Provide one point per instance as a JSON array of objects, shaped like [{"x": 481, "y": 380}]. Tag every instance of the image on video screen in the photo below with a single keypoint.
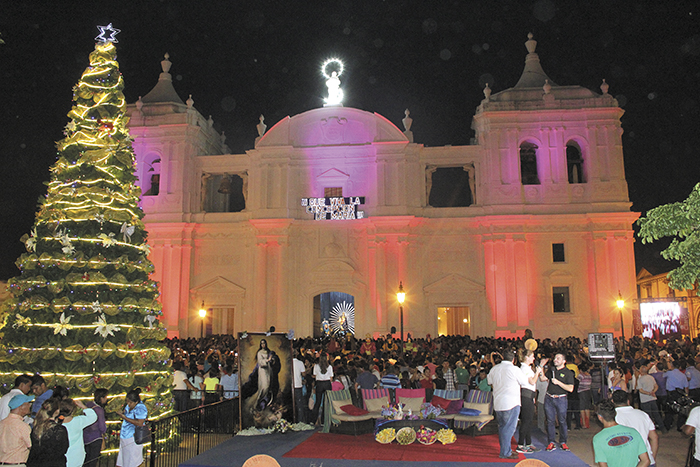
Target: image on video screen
[{"x": 660, "y": 319}]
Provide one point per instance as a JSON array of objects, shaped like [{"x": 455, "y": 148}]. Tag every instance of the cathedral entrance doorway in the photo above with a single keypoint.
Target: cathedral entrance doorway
[
  {"x": 218, "y": 320},
  {"x": 453, "y": 320},
  {"x": 334, "y": 313}
]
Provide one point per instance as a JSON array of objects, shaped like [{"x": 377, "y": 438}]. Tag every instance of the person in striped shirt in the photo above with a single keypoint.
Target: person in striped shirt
[{"x": 391, "y": 379}]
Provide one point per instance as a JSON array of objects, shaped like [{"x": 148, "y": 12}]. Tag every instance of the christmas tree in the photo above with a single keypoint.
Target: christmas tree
[{"x": 83, "y": 312}]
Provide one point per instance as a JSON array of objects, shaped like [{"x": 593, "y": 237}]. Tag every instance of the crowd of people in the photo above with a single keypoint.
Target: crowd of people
[
  {"x": 553, "y": 383},
  {"x": 42, "y": 427},
  {"x": 561, "y": 386}
]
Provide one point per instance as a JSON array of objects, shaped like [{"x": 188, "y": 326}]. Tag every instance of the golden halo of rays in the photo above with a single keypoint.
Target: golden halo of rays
[{"x": 343, "y": 312}]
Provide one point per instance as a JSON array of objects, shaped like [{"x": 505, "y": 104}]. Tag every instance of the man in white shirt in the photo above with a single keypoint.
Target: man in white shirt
[
  {"x": 637, "y": 419},
  {"x": 298, "y": 372},
  {"x": 506, "y": 379},
  {"x": 23, "y": 384},
  {"x": 229, "y": 382},
  {"x": 647, "y": 386},
  {"x": 180, "y": 393},
  {"x": 692, "y": 426}
]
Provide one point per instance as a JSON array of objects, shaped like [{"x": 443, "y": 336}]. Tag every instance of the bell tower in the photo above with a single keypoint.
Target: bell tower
[{"x": 553, "y": 170}]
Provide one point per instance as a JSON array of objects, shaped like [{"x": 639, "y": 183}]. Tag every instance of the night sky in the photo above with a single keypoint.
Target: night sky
[{"x": 239, "y": 59}]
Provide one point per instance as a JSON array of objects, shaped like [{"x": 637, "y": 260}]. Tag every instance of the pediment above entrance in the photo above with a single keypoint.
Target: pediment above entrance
[
  {"x": 334, "y": 267},
  {"x": 453, "y": 283},
  {"x": 557, "y": 274},
  {"x": 333, "y": 176},
  {"x": 331, "y": 126},
  {"x": 218, "y": 286}
]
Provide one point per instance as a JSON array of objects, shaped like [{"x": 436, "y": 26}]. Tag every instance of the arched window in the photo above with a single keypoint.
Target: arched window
[
  {"x": 528, "y": 164},
  {"x": 574, "y": 162}
]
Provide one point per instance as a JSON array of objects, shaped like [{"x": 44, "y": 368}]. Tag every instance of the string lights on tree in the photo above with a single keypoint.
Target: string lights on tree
[{"x": 83, "y": 312}]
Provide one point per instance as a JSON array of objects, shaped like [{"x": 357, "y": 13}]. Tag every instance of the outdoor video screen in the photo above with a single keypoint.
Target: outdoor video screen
[{"x": 660, "y": 319}]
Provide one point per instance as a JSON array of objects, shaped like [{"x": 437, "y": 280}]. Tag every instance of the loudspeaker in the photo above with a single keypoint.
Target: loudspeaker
[{"x": 601, "y": 346}]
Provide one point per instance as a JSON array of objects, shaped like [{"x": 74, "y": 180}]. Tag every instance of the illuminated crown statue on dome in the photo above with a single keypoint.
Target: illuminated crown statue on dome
[{"x": 335, "y": 94}]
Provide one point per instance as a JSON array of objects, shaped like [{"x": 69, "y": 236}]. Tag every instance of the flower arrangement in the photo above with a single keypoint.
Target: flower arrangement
[
  {"x": 393, "y": 412},
  {"x": 281, "y": 426},
  {"x": 430, "y": 411}
]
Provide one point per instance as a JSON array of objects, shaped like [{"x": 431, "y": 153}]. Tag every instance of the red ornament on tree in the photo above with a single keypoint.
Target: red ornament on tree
[{"x": 105, "y": 126}]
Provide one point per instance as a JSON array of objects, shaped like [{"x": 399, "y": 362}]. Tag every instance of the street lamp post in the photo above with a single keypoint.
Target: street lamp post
[
  {"x": 401, "y": 296},
  {"x": 621, "y": 305},
  {"x": 202, "y": 314}
]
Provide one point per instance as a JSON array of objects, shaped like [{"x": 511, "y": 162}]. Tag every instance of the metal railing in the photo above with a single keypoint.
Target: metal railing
[{"x": 180, "y": 437}]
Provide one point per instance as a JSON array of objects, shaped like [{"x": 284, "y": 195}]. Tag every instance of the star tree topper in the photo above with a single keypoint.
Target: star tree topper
[{"x": 104, "y": 30}]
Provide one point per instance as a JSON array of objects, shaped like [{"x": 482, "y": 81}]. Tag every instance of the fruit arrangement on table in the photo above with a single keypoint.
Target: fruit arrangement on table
[
  {"x": 386, "y": 436},
  {"x": 408, "y": 435},
  {"x": 446, "y": 436},
  {"x": 426, "y": 436}
]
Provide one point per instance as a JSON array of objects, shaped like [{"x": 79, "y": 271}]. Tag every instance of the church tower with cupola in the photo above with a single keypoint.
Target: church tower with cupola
[
  {"x": 169, "y": 136},
  {"x": 553, "y": 173}
]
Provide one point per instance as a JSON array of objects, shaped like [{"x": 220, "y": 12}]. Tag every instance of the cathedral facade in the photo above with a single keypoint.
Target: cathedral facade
[{"x": 527, "y": 227}]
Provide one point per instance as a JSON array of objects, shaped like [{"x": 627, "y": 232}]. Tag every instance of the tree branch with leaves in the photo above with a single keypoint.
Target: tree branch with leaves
[{"x": 682, "y": 221}]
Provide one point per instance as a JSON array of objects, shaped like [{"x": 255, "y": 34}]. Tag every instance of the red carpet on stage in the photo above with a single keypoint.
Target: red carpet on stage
[{"x": 364, "y": 447}]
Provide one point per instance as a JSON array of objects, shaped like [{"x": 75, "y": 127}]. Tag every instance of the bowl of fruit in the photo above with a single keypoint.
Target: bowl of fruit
[
  {"x": 426, "y": 436},
  {"x": 386, "y": 436},
  {"x": 406, "y": 435}
]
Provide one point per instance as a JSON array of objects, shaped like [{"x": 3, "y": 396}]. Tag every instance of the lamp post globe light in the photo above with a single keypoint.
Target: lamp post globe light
[
  {"x": 203, "y": 315},
  {"x": 621, "y": 305},
  {"x": 401, "y": 296}
]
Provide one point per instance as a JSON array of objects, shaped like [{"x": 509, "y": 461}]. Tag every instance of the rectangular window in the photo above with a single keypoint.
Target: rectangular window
[
  {"x": 223, "y": 193},
  {"x": 155, "y": 186},
  {"x": 558, "y": 253},
  {"x": 451, "y": 187},
  {"x": 333, "y": 192},
  {"x": 560, "y": 299}
]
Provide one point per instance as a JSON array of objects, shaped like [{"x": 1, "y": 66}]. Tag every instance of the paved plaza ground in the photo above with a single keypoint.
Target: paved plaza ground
[{"x": 673, "y": 446}]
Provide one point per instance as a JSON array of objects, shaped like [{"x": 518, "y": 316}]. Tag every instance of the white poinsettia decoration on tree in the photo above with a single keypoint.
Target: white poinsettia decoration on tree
[
  {"x": 31, "y": 241},
  {"x": 107, "y": 240},
  {"x": 63, "y": 325},
  {"x": 21, "y": 321},
  {"x": 67, "y": 245},
  {"x": 104, "y": 329}
]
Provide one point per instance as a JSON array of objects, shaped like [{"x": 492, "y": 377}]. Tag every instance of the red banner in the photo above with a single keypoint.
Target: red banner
[
  {"x": 636, "y": 322},
  {"x": 685, "y": 321}
]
